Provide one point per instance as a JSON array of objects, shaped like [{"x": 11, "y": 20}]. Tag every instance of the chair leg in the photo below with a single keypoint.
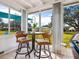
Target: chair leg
[
  {"x": 36, "y": 46},
  {"x": 27, "y": 49},
  {"x": 49, "y": 52},
  {"x": 19, "y": 47},
  {"x": 34, "y": 53},
  {"x": 40, "y": 52},
  {"x": 44, "y": 47},
  {"x": 16, "y": 56},
  {"x": 44, "y": 50}
]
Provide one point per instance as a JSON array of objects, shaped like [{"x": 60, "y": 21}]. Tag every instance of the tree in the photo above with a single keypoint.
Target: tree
[
  {"x": 71, "y": 16},
  {"x": 76, "y": 18},
  {"x": 1, "y": 24}
]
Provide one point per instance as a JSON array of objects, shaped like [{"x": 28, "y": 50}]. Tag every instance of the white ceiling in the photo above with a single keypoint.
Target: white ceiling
[
  {"x": 24, "y": 4},
  {"x": 30, "y": 5}
]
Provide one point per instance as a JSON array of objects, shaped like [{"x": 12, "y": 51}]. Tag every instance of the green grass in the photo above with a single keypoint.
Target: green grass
[{"x": 68, "y": 36}]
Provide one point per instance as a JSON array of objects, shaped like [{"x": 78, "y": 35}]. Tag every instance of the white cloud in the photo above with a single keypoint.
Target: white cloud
[{"x": 45, "y": 20}]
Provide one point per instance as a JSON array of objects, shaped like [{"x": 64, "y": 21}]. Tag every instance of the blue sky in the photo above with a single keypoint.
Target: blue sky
[{"x": 47, "y": 13}]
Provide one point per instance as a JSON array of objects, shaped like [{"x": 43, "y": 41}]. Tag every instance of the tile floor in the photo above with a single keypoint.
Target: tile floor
[{"x": 66, "y": 55}]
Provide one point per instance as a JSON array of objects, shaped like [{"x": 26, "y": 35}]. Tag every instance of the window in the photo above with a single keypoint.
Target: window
[
  {"x": 46, "y": 17},
  {"x": 3, "y": 19},
  {"x": 15, "y": 21},
  {"x": 3, "y": 24},
  {"x": 34, "y": 19}
]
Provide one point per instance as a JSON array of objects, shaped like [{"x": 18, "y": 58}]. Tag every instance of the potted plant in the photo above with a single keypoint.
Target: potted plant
[{"x": 34, "y": 27}]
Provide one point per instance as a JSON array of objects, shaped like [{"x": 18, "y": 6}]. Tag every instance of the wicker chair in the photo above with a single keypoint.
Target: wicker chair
[
  {"x": 21, "y": 38},
  {"x": 43, "y": 42}
]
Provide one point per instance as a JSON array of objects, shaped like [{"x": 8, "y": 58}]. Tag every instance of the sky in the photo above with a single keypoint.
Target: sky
[{"x": 45, "y": 15}]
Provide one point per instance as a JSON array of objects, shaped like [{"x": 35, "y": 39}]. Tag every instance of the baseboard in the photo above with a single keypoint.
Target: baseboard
[{"x": 8, "y": 51}]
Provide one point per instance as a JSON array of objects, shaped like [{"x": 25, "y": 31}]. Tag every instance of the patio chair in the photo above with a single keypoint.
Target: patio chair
[
  {"x": 21, "y": 39},
  {"x": 43, "y": 42}
]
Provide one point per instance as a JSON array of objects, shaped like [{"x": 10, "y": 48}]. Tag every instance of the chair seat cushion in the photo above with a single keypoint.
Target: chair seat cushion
[
  {"x": 42, "y": 42},
  {"x": 23, "y": 40}
]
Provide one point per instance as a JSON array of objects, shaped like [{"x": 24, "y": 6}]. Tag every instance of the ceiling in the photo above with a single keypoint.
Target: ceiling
[{"x": 30, "y": 5}]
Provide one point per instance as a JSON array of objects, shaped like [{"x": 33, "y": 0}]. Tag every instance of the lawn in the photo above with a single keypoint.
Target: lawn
[
  {"x": 67, "y": 36},
  {"x": 5, "y": 32}
]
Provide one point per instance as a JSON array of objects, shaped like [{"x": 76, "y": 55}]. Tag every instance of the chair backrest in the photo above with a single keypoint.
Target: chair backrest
[
  {"x": 47, "y": 36},
  {"x": 45, "y": 29},
  {"x": 20, "y": 34}
]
